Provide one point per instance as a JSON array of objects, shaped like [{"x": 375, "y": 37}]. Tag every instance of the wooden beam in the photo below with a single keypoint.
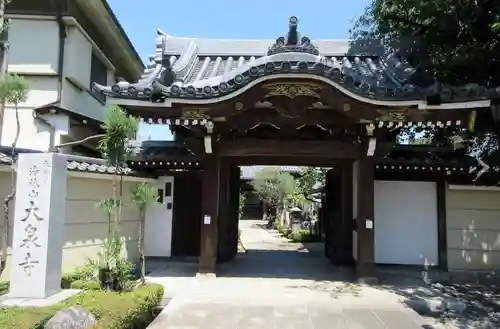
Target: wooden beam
[
  {"x": 251, "y": 117},
  {"x": 290, "y": 148}
]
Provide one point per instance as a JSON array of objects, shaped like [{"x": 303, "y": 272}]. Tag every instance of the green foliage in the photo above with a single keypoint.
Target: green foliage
[
  {"x": 110, "y": 257},
  {"x": 143, "y": 194},
  {"x": 273, "y": 185},
  {"x": 93, "y": 284},
  {"x": 301, "y": 235},
  {"x": 462, "y": 39},
  {"x": 82, "y": 273},
  {"x": 126, "y": 310},
  {"x": 14, "y": 89},
  {"x": 119, "y": 128},
  {"x": 86, "y": 285},
  {"x": 109, "y": 206},
  {"x": 241, "y": 203},
  {"x": 4, "y": 288}
]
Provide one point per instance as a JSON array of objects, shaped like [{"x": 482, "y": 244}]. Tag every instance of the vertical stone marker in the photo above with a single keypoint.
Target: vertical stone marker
[{"x": 40, "y": 212}]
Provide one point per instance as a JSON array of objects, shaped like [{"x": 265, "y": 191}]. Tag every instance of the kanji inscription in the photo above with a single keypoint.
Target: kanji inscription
[
  {"x": 30, "y": 219},
  {"x": 28, "y": 264}
]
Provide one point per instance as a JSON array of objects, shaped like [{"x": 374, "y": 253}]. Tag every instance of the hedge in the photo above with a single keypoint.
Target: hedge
[
  {"x": 128, "y": 310},
  {"x": 79, "y": 274}
]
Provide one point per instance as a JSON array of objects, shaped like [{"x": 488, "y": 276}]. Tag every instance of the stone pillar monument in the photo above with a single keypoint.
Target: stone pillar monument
[{"x": 40, "y": 212}]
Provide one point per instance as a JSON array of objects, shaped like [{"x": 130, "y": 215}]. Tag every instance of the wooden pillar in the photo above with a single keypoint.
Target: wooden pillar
[
  {"x": 228, "y": 213},
  {"x": 331, "y": 213},
  {"x": 364, "y": 172},
  {"x": 210, "y": 214},
  {"x": 345, "y": 250}
]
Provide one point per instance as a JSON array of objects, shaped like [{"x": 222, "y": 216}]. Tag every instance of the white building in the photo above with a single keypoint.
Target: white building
[{"x": 60, "y": 48}]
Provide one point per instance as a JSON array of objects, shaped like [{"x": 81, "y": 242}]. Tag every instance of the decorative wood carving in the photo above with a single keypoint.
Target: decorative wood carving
[
  {"x": 195, "y": 113},
  {"x": 246, "y": 147},
  {"x": 292, "y": 90},
  {"x": 391, "y": 116}
]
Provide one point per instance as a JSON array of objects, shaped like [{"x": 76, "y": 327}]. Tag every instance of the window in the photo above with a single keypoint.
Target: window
[
  {"x": 99, "y": 74},
  {"x": 168, "y": 189}
]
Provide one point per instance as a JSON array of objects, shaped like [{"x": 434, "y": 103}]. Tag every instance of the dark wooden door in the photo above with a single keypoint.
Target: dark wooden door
[{"x": 186, "y": 226}]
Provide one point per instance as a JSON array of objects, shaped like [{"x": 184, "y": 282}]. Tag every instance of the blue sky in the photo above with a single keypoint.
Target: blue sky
[{"x": 256, "y": 19}]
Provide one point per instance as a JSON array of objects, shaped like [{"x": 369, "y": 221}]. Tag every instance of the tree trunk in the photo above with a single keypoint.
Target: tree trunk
[
  {"x": 141, "y": 245},
  {"x": 3, "y": 72},
  {"x": 115, "y": 199},
  {"x": 8, "y": 198},
  {"x": 4, "y": 56},
  {"x": 120, "y": 196}
]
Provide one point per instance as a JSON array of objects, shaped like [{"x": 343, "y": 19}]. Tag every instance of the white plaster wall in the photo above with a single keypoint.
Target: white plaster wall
[
  {"x": 33, "y": 133},
  {"x": 77, "y": 68},
  {"x": 33, "y": 54},
  {"x": 42, "y": 90},
  {"x": 473, "y": 229},
  {"x": 86, "y": 226},
  {"x": 33, "y": 46},
  {"x": 406, "y": 226}
]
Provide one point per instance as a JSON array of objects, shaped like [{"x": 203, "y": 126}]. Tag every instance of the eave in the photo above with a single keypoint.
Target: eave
[{"x": 104, "y": 18}]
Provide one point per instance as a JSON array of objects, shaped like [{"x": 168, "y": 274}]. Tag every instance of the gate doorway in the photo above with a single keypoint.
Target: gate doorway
[{"x": 333, "y": 219}]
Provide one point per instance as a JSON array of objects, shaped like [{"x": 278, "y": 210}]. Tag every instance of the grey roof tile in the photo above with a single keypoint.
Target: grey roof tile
[
  {"x": 6, "y": 159},
  {"x": 209, "y": 68}
]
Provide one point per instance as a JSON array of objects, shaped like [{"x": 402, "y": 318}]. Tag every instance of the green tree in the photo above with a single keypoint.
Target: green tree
[
  {"x": 458, "y": 40},
  {"x": 448, "y": 41},
  {"x": 14, "y": 90},
  {"x": 109, "y": 207},
  {"x": 273, "y": 186},
  {"x": 119, "y": 129},
  {"x": 143, "y": 195},
  {"x": 309, "y": 177}
]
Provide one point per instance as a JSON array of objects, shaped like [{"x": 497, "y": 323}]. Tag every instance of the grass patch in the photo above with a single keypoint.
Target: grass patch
[{"x": 113, "y": 310}]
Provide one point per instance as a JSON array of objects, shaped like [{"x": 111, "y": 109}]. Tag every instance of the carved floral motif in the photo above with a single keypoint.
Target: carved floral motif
[
  {"x": 195, "y": 114},
  {"x": 396, "y": 116},
  {"x": 292, "y": 90}
]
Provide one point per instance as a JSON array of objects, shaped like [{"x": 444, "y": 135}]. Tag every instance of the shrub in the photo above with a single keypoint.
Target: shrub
[
  {"x": 86, "y": 285},
  {"x": 82, "y": 273},
  {"x": 302, "y": 235},
  {"x": 128, "y": 310},
  {"x": 4, "y": 288},
  {"x": 95, "y": 285}
]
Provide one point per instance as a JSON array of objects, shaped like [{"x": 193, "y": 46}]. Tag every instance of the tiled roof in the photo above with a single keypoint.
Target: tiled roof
[
  {"x": 6, "y": 159},
  {"x": 209, "y": 68},
  {"x": 249, "y": 172}
]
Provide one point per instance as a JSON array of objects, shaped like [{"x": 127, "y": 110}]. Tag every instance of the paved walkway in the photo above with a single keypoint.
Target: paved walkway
[{"x": 276, "y": 284}]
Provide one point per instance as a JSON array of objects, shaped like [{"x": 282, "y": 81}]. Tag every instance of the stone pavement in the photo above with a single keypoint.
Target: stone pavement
[{"x": 277, "y": 284}]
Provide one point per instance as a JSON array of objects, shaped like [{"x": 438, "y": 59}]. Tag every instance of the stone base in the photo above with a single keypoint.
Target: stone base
[
  {"x": 205, "y": 275},
  {"x": 38, "y": 302},
  {"x": 368, "y": 280}
]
